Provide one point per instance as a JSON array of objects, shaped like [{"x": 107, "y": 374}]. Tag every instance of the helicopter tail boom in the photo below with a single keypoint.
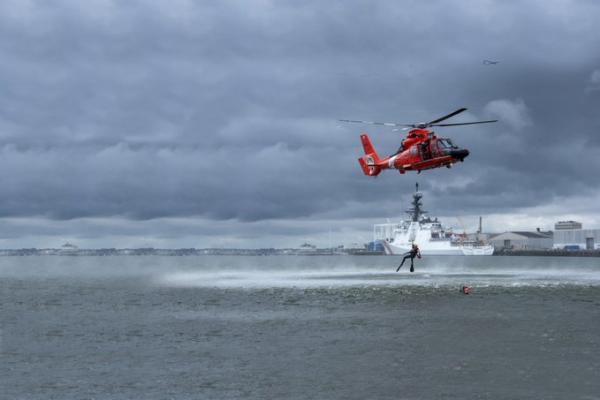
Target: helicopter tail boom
[{"x": 370, "y": 161}]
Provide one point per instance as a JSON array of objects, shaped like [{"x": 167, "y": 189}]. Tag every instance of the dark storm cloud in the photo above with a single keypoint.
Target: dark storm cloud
[{"x": 227, "y": 110}]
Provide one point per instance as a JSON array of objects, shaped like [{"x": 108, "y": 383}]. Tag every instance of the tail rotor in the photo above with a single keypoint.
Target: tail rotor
[{"x": 370, "y": 161}]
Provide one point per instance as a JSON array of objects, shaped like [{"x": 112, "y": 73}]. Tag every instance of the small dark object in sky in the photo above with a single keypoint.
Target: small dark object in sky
[{"x": 490, "y": 62}]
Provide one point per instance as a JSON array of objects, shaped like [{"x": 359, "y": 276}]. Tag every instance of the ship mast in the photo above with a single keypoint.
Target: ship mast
[{"x": 416, "y": 211}]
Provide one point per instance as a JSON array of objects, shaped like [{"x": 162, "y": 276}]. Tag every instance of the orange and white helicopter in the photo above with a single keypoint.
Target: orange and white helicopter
[{"x": 420, "y": 150}]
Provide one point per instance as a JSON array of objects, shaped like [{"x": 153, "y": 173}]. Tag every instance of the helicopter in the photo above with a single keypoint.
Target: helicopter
[{"x": 420, "y": 150}]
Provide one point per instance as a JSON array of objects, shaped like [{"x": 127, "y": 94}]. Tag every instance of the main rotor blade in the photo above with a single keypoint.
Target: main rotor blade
[
  {"x": 452, "y": 114},
  {"x": 466, "y": 123},
  {"x": 375, "y": 123}
]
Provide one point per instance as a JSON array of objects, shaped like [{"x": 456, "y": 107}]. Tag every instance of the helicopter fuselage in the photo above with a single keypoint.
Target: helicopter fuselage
[{"x": 421, "y": 150}]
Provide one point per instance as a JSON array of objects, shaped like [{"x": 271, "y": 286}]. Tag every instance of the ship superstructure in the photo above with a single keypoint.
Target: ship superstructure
[{"x": 429, "y": 234}]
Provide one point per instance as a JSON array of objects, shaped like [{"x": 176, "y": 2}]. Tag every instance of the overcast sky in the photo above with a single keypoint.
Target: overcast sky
[{"x": 214, "y": 124}]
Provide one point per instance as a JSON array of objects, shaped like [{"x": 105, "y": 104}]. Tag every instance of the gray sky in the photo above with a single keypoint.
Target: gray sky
[{"x": 195, "y": 123}]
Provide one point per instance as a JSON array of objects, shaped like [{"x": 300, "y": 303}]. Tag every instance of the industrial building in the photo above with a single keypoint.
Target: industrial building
[
  {"x": 520, "y": 240},
  {"x": 569, "y": 235},
  {"x": 560, "y": 225}
]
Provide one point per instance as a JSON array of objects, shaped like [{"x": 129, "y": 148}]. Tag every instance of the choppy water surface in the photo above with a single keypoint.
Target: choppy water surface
[{"x": 299, "y": 328}]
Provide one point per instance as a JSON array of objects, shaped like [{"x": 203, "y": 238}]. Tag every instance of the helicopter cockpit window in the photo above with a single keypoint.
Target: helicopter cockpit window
[{"x": 446, "y": 144}]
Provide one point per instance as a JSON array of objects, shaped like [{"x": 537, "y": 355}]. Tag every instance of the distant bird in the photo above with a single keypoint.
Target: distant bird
[{"x": 490, "y": 62}]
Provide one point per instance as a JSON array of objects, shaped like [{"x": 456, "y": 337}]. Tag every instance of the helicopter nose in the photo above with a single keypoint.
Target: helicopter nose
[{"x": 459, "y": 154}]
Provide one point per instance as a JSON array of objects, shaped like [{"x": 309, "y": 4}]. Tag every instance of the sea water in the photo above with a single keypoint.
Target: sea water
[{"x": 337, "y": 327}]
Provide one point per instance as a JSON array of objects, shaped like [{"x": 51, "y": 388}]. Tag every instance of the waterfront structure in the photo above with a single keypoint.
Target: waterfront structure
[
  {"x": 69, "y": 249},
  {"x": 522, "y": 240},
  {"x": 575, "y": 238},
  {"x": 562, "y": 225}
]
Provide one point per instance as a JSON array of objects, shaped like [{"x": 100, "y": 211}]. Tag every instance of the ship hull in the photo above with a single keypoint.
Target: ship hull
[
  {"x": 392, "y": 249},
  {"x": 487, "y": 250}
]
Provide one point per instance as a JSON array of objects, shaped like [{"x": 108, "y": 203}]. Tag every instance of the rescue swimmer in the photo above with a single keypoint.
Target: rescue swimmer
[{"x": 414, "y": 252}]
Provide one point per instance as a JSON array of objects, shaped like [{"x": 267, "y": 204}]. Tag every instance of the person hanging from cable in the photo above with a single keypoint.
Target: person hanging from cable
[{"x": 414, "y": 252}]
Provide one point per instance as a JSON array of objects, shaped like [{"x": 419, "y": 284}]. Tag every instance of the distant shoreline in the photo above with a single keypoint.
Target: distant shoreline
[
  {"x": 549, "y": 253},
  {"x": 257, "y": 252}
]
